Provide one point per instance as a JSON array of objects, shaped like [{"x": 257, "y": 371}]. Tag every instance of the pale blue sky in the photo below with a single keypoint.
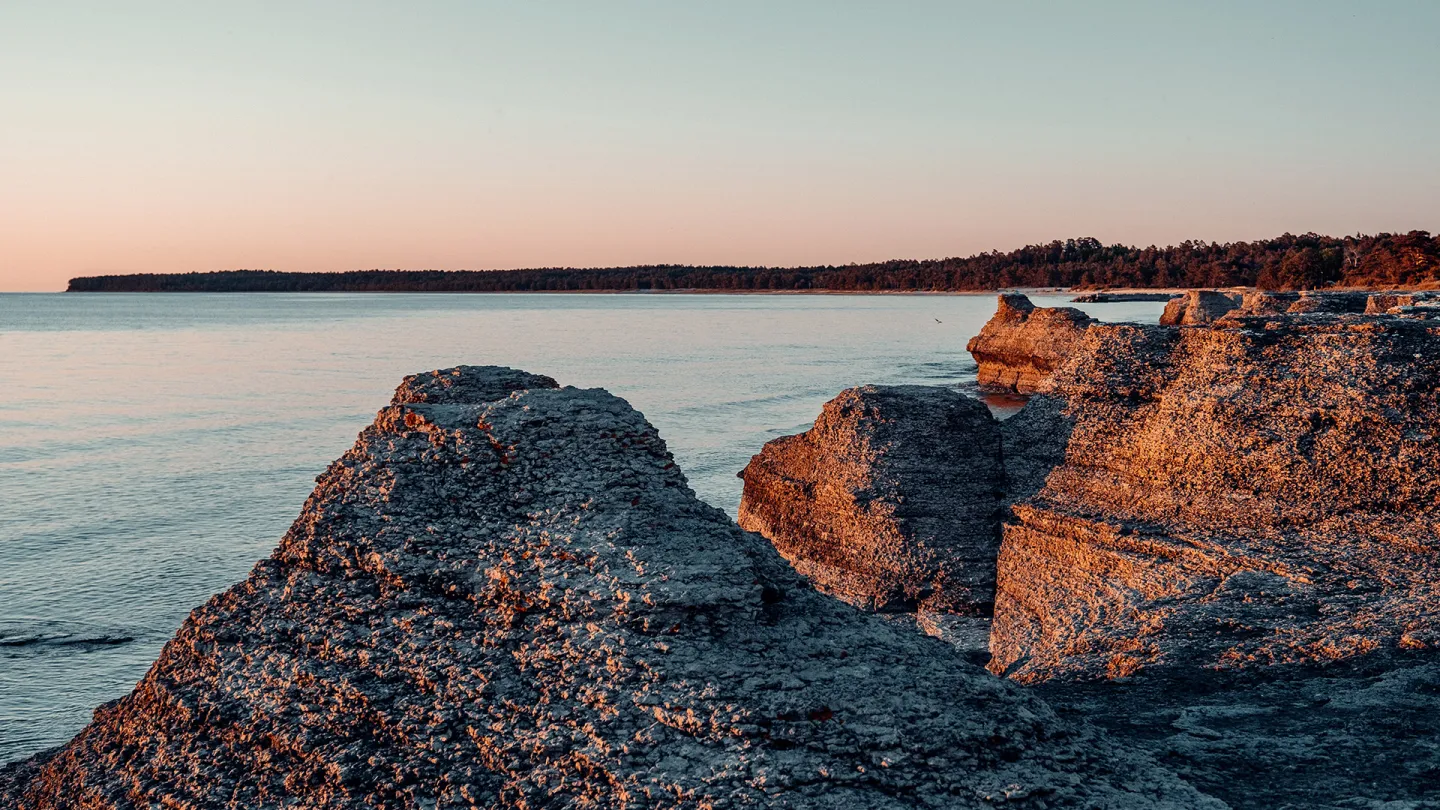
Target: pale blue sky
[{"x": 146, "y": 136}]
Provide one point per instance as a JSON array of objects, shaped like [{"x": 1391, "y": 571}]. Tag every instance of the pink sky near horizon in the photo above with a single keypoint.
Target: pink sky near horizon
[{"x": 327, "y": 137}]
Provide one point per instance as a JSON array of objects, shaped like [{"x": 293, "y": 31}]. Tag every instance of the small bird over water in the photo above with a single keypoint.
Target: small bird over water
[{"x": 937, "y": 320}]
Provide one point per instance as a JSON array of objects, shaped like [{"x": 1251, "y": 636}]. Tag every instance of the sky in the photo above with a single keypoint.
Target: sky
[{"x": 320, "y": 136}]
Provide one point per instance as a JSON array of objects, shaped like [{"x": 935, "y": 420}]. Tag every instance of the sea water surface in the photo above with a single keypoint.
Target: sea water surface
[{"x": 153, "y": 447}]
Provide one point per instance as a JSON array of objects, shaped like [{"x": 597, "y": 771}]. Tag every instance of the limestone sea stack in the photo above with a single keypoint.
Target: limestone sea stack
[
  {"x": 1259, "y": 492},
  {"x": 506, "y": 595},
  {"x": 890, "y": 502},
  {"x": 1199, "y": 307},
  {"x": 1023, "y": 344}
]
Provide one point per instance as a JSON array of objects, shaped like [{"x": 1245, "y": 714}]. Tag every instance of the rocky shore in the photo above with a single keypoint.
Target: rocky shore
[
  {"x": 1220, "y": 536},
  {"x": 1200, "y": 565},
  {"x": 1120, "y": 297},
  {"x": 505, "y": 595}
]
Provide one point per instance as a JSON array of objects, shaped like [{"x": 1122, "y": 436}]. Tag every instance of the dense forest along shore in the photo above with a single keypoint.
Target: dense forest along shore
[{"x": 1287, "y": 262}]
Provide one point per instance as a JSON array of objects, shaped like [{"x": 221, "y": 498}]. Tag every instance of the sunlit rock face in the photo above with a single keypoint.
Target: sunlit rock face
[
  {"x": 1204, "y": 307},
  {"x": 890, "y": 502},
  {"x": 506, "y": 595},
  {"x": 1022, "y": 344},
  {"x": 1264, "y": 491},
  {"x": 1397, "y": 303},
  {"x": 1199, "y": 307}
]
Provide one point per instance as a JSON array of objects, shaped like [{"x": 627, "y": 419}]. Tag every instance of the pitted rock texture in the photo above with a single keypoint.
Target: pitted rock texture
[
  {"x": 1263, "y": 491},
  {"x": 1357, "y": 735},
  {"x": 890, "y": 502},
  {"x": 506, "y": 595},
  {"x": 1023, "y": 344}
]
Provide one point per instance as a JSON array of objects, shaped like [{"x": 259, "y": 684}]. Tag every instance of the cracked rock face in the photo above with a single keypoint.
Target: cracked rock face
[
  {"x": 1264, "y": 491},
  {"x": 891, "y": 503},
  {"x": 505, "y": 595},
  {"x": 1022, "y": 344}
]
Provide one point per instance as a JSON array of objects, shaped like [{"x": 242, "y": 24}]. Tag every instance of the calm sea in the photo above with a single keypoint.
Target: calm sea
[{"x": 153, "y": 447}]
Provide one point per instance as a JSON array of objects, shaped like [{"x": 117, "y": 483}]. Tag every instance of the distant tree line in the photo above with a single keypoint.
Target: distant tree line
[{"x": 1288, "y": 262}]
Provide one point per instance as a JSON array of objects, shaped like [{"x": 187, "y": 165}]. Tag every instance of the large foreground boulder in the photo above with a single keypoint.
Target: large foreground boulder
[
  {"x": 1265, "y": 491},
  {"x": 505, "y": 595},
  {"x": 1022, "y": 344},
  {"x": 890, "y": 502}
]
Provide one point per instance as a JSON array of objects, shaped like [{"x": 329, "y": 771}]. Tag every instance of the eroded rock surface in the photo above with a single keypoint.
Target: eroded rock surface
[
  {"x": 1233, "y": 528},
  {"x": 1358, "y": 735},
  {"x": 1199, "y": 307},
  {"x": 1023, "y": 344},
  {"x": 890, "y": 502},
  {"x": 1265, "y": 491},
  {"x": 505, "y": 595}
]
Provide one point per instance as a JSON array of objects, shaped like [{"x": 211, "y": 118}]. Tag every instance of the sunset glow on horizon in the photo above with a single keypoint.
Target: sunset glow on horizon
[{"x": 170, "y": 137}]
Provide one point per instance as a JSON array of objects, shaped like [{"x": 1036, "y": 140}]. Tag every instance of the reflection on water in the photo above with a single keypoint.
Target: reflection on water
[
  {"x": 152, "y": 448},
  {"x": 1002, "y": 405}
]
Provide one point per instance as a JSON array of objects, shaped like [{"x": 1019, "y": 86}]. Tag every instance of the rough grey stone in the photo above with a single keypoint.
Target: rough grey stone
[{"x": 518, "y": 602}]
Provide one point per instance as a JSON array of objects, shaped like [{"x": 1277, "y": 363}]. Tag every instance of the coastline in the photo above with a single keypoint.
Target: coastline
[
  {"x": 1114, "y": 291},
  {"x": 998, "y": 291}
]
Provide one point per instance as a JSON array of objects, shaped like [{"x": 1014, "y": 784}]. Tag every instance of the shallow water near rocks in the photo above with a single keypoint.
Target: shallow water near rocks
[{"x": 153, "y": 447}]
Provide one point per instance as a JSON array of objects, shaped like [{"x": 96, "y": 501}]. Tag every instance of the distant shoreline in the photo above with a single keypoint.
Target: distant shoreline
[
  {"x": 1287, "y": 262},
  {"x": 1024, "y": 290},
  {"x": 1118, "y": 293}
]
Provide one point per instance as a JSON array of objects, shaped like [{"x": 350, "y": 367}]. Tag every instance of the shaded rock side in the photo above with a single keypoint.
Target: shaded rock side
[
  {"x": 1023, "y": 344},
  {"x": 1262, "y": 492},
  {"x": 890, "y": 502},
  {"x": 1357, "y": 735},
  {"x": 506, "y": 595}
]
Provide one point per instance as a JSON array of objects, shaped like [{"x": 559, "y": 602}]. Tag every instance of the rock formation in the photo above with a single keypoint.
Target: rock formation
[
  {"x": 1266, "y": 302},
  {"x": 1023, "y": 344},
  {"x": 1331, "y": 302},
  {"x": 1220, "y": 544},
  {"x": 1199, "y": 307},
  {"x": 890, "y": 502},
  {"x": 505, "y": 595},
  {"x": 1266, "y": 491},
  {"x": 1202, "y": 307},
  {"x": 1391, "y": 302}
]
